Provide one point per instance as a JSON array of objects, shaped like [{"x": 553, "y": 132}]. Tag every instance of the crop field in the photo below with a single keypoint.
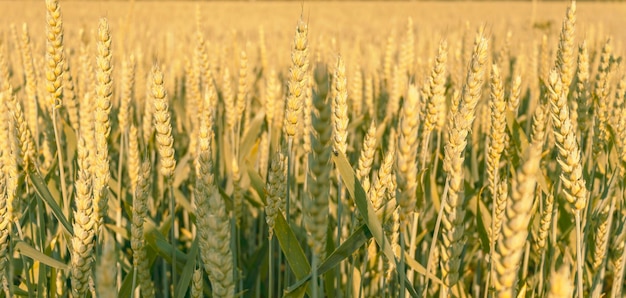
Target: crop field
[{"x": 312, "y": 149}]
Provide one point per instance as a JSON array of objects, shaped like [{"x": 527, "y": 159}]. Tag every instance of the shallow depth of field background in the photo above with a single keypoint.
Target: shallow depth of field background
[{"x": 361, "y": 34}]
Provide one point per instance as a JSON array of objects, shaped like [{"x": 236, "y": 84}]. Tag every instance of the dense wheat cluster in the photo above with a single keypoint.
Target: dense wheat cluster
[{"x": 396, "y": 159}]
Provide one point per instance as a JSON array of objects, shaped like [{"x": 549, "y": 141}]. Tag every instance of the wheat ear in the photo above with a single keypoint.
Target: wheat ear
[
  {"x": 163, "y": 125},
  {"x": 601, "y": 94},
  {"x": 275, "y": 190},
  {"x": 84, "y": 224},
  {"x": 297, "y": 79},
  {"x": 8, "y": 184},
  {"x": 141, "y": 262},
  {"x": 406, "y": 159},
  {"x": 212, "y": 220},
  {"x": 565, "y": 51},
  {"x": 569, "y": 158},
  {"x": 31, "y": 79},
  {"x": 435, "y": 103},
  {"x": 454, "y": 212},
  {"x": 102, "y": 125},
  {"x": 581, "y": 93},
  {"x": 510, "y": 247},
  {"x": 366, "y": 158}
]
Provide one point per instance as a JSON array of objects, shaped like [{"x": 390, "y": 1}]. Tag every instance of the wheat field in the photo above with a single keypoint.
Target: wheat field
[{"x": 318, "y": 149}]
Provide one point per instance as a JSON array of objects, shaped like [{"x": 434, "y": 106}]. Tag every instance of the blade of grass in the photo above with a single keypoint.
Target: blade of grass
[
  {"x": 44, "y": 193},
  {"x": 36, "y": 255},
  {"x": 291, "y": 248},
  {"x": 184, "y": 279}
]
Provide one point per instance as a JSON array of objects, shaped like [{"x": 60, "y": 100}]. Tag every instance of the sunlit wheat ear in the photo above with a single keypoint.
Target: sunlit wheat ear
[
  {"x": 163, "y": 125},
  {"x": 340, "y": 108},
  {"x": 565, "y": 51},
  {"x": 102, "y": 123},
  {"x": 54, "y": 54},
  {"x": 435, "y": 103},
  {"x": 539, "y": 125},
  {"x": 25, "y": 138},
  {"x": 569, "y": 153},
  {"x": 275, "y": 190},
  {"x": 297, "y": 79},
  {"x": 378, "y": 190},
  {"x": 499, "y": 204},
  {"x": 461, "y": 122},
  {"x": 366, "y": 158},
  {"x": 497, "y": 131},
  {"x": 510, "y": 247}
]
